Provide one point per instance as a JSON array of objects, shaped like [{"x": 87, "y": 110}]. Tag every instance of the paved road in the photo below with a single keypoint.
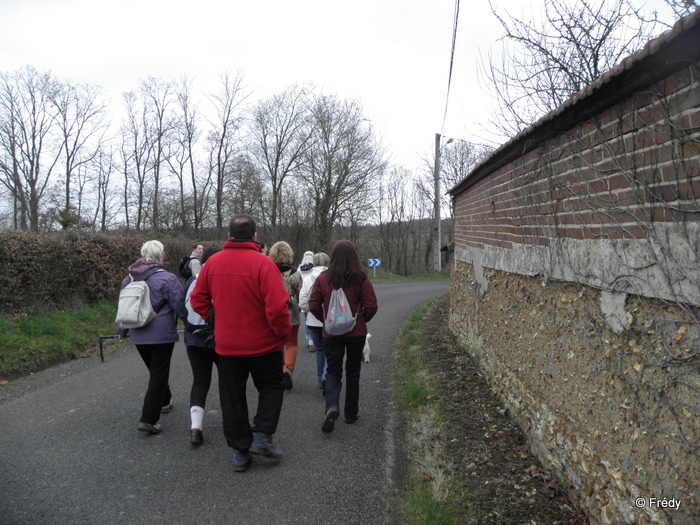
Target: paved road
[{"x": 70, "y": 452}]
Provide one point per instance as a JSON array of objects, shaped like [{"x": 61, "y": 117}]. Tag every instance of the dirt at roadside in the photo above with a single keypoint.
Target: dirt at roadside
[{"x": 495, "y": 478}]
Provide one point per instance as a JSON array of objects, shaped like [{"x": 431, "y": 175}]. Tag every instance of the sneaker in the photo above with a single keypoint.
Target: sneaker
[
  {"x": 351, "y": 419},
  {"x": 262, "y": 446},
  {"x": 329, "y": 422},
  {"x": 241, "y": 460},
  {"x": 167, "y": 408},
  {"x": 287, "y": 380},
  {"x": 151, "y": 429}
]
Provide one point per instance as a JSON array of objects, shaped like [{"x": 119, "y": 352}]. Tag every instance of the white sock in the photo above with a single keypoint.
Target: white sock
[{"x": 197, "y": 415}]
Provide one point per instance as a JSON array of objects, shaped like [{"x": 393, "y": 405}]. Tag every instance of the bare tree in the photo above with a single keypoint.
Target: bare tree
[
  {"x": 222, "y": 139},
  {"x": 458, "y": 160},
  {"x": 404, "y": 224},
  {"x": 543, "y": 64},
  {"x": 341, "y": 163},
  {"x": 157, "y": 98},
  {"x": 81, "y": 118},
  {"x": 245, "y": 189},
  {"x": 29, "y": 140},
  {"x": 182, "y": 159},
  {"x": 107, "y": 204},
  {"x": 682, "y": 8},
  {"x": 9, "y": 161},
  {"x": 136, "y": 153},
  {"x": 280, "y": 138}
]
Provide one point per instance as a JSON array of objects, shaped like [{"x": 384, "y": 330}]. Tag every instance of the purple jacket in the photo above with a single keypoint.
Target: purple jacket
[{"x": 165, "y": 293}]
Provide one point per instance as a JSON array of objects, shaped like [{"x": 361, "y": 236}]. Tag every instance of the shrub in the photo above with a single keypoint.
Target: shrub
[{"x": 40, "y": 273}]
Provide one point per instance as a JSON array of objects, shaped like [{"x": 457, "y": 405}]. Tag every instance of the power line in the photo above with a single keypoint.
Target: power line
[{"x": 452, "y": 58}]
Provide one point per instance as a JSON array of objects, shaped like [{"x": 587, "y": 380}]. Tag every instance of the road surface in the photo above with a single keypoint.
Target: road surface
[{"x": 70, "y": 452}]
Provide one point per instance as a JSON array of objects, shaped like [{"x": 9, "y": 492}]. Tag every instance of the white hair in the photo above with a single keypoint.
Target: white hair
[
  {"x": 321, "y": 259},
  {"x": 152, "y": 250}
]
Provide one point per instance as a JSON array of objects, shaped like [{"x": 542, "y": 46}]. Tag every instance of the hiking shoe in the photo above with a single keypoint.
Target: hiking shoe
[
  {"x": 262, "y": 446},
  {"x": 196, "y": 436},
  {"x": 329, "y": 422},
  {"x": 167, "y": 408},
  {"x": 241, "y": 460},
  {"x": 287, "y": 380},
  {"x": 151, "y": 429}
]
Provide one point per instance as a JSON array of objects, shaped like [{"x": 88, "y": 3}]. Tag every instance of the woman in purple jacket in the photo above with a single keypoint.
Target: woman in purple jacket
[
  {"x": 344, "y": 271},
  {"x": 156, "y": 340}
]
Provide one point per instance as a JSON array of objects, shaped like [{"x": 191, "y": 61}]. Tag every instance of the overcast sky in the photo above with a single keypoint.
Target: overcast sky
[{"x": 390, "y": 55}]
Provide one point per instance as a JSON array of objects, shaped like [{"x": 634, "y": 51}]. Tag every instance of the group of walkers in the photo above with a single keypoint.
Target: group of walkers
[{"x": 254, "y": 302}]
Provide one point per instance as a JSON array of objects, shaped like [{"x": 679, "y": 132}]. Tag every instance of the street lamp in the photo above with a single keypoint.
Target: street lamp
[{"x": 437, "y": 266}]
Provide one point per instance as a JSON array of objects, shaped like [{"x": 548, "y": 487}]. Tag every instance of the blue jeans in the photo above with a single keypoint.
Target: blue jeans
[
  {"x": 307, "y": 332},
  {"x": 321, "y": 365},
  {"x": 337, "y": 348}
]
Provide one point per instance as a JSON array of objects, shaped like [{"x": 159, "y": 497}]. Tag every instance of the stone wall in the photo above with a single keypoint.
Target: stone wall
[
  {"x": 613, "y": 416},
  {"x": 576, "y": 284}
]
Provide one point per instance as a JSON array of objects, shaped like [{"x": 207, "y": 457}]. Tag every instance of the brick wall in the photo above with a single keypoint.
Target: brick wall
[{"x": 603, "y": 194}]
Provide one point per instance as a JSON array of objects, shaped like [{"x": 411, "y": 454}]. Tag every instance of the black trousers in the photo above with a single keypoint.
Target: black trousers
[
  {"x": 349, "y": 348},
  {"x": 266, "y": 371},
  {"x": 202, "y": 361},
  {"x": 157, "y": 360}
]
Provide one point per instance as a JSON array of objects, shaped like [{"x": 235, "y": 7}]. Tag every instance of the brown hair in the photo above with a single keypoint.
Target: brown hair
[{"x": 345, "y": 267}]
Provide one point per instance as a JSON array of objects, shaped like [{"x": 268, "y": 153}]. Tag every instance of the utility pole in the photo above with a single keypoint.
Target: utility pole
[
  {"x": 437, "y": 266},
  {"x": 437, "y": 262}
]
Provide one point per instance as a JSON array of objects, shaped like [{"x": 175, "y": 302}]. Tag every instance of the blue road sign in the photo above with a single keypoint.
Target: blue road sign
[{"x": 374, "y": 262}]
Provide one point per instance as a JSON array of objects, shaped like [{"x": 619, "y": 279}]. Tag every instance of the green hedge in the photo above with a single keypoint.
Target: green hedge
[{"x": 41, "y": 273}]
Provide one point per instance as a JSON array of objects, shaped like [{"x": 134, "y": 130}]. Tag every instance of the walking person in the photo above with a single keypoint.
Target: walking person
[
  {"x": 252, "y": 324},
  {"x": 344, "y": 271},
  {"x": 305, "y": 267},
  {"x": 200, "y": 351},
  {"x": 156, "y": 340},
  {"x": 283, "y": 256},
  {"x": 314, "y": 325},
  {"x": 196, "y": 258}
]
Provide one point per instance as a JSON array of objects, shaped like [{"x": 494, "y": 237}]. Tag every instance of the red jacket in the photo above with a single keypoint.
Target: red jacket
[
  {"x": 249, "y": 298},
  {"x": 359, "y": 296}
]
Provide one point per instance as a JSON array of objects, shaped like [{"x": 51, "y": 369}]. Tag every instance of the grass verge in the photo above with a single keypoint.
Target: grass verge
[
  {"x": 37, "y": 342},
  {"x": 429, "y": 471}
]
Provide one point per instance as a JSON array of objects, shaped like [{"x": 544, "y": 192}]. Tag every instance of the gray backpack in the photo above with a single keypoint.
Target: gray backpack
[
  {"x": 135, "y": 309},
  {"x": 339, "y": 318}
]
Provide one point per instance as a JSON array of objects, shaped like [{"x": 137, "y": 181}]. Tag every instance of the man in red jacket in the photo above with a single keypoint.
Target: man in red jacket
[{"x": 244, "y": 290}]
